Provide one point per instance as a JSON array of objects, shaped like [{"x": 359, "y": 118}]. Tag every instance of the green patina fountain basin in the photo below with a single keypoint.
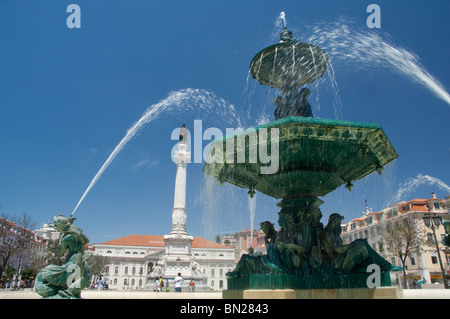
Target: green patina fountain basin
[
  {"x": 316, "y": 156},
  {"x": 288, "y": 63}
]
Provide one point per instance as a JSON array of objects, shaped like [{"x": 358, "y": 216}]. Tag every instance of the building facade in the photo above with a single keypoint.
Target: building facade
[
  {"x": 132, "y": 260},
  {"x": 422, "y": 264}
]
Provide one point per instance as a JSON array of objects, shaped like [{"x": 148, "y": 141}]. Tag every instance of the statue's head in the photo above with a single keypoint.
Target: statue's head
[
  {"x": 62, "y": 223},
  {"x": 335, "y": 219},
  {"x": 305, "y": 92},
  {"x": 266, "y": 226}
]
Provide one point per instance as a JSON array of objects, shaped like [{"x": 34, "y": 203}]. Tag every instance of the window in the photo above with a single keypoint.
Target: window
[
  {"x": 437, "y": 205},
  {"x": 133, "y": 271},
  {"x": 116, "y": 270},
  {"x": 412, "y": 260},
  {"x": 126, "y": 270},
  {"x": 430, "y": 239},
  {"x": 434, "y": 260},
  {"x": 394, "y": 211}
]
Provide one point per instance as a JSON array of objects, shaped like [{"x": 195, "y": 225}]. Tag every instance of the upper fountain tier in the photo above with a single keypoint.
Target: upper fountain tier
[{"x": 289, "y": 63}]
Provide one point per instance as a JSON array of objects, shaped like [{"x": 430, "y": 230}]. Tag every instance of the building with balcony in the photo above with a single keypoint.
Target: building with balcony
[{"x": 423, "y": 263}]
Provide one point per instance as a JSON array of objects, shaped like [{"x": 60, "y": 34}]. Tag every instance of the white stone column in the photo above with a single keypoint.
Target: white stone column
[{"x": 181, "y": 158}]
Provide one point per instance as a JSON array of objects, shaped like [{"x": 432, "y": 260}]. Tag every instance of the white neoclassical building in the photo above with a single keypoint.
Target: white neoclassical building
[{"x": 133, "y": 262}]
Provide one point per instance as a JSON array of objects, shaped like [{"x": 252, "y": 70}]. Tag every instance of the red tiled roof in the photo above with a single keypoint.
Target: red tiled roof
[{"x": 158, "y": 241}]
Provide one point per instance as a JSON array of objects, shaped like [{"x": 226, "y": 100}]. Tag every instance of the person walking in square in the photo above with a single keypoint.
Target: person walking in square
[{"x": 178, "y": 281}]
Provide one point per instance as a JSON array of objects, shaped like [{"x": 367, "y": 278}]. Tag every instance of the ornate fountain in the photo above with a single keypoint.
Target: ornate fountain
[{"x": 315, "y": 157}]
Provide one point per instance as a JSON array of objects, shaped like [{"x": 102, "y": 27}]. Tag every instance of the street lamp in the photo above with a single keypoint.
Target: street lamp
[{"x": 433, "y": 221}]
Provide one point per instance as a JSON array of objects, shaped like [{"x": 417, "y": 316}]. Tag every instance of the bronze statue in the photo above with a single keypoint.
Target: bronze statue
[
  {"x": 67, "y": 280},
  {"x": 292, "y": 103}
]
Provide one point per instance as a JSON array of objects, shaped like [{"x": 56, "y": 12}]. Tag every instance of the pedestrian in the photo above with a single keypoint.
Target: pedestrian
[
  {"x": 167, "y": 285},
  {"x": 192, "y": 286},
  {"x": 157, "y": 286},
  {"x": 178, "y": 281},
  {"x": 161, "y": 283},
  {"x": 100, "y": 283}
]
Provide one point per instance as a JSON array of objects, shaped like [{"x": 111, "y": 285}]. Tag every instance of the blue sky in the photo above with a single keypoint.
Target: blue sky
[{"x": 68, "y": 97}]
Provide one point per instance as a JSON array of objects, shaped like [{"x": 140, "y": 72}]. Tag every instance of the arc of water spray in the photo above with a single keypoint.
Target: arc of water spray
[
  {"x": 344, "y": 43},
  {"x": 150, "y": 114},
  {"x": 188, "y": 99},
  {"x": 412, "y": 183}
]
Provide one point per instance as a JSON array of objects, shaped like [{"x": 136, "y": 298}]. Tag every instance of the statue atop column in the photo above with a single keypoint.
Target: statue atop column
[{"x": 183, "y": 133}]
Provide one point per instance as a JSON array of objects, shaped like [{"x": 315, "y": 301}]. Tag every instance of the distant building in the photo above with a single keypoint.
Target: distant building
[
  {"x": 422, "y": 264},
  {"x": 132, "y": 259},
  {"x": 48, "y": 232}
]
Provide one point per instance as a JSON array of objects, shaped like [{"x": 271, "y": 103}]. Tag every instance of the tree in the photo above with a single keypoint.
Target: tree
[
  {"x": 15, "y": 242},
  {"x": 98, "y": 265},
  {"x": 403, "y": 237}
]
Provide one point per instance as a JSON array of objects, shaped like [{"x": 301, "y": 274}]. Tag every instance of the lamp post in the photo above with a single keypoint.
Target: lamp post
[{"x": 433, "y": 221}]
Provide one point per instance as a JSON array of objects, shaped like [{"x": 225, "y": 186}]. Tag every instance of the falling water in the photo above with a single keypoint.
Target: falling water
[
  {"x": 281, "y": 20},
  {"x": 411, "y": 184},
  {"x": 252, "y": 207},
  {"x": 345, "y": 44},
  {"x": 187, "y": 100}
]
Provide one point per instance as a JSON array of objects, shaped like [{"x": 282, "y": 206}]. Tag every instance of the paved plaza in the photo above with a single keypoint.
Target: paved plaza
[{"x": 145, "y": 294}]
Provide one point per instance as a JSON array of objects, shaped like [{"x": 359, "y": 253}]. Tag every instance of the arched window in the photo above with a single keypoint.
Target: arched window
[
  {"x": 133, "y": 271},
  {"x": 126, "y": 270},
  {"x": 116, "y": 270}
]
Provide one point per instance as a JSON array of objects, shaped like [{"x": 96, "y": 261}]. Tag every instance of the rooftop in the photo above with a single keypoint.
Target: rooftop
[{"x": 158, "y": 241}]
